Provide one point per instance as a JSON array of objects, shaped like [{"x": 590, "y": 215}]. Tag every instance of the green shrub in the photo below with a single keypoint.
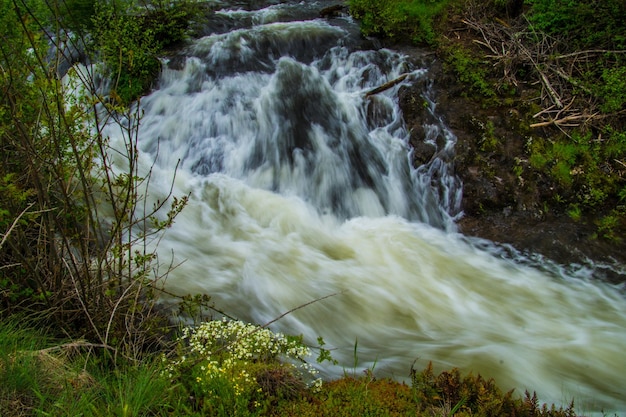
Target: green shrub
[
  {"x": 613, "y": 89},
  {"x": 583, "y": 24},
  {"x": 129, "y": 52},
  {"x": 471, "y": 395},
  {"x": 399, "y": 19},
  {"x": 77, "y": 15},
  {"x": 609, "y": 226},
  {"x": 60, "y": 253},
  {"x": 574, "y": 212},
  {"x": 586, "y": 169},
  {"x": 129, "y": 40}
]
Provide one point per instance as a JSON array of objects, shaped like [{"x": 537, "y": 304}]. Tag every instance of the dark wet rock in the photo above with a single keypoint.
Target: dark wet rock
[
  {"x": 413, "y": 102},
  {"x": 336, "y": 10},
  {"x": 423, "y": 152}
]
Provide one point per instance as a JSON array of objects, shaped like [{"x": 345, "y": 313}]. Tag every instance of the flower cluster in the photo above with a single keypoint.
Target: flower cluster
[
  {"x": 225, "y": 353},
  {"x": 242, "y": 341}
]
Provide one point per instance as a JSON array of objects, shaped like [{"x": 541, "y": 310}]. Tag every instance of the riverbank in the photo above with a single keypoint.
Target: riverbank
[
  {"x": 43, "y": 376},
  {"x": 508, "y": 198},
  {"x": 498, "y": 204}
]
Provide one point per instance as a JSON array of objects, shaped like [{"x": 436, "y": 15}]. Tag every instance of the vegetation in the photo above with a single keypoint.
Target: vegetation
[
  {"x": 560, "y": 65},
  {"x": 585, "y": 23},
  {"x": 398, "y": 19},
  {"x": 226, "y": 369},
  {"x": 129, "y": 39},
  {"x": 76, "y": 226}
]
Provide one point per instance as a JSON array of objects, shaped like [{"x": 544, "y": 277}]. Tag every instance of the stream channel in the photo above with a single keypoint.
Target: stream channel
[{"x": 302, "y": 187}]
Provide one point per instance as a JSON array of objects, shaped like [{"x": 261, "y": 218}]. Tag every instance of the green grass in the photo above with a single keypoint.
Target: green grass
[
  {"x": 18, "y": 383},
  {"x": 43, "y": 376}
]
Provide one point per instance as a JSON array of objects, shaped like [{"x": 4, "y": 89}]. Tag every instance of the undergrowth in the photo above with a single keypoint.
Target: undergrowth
[
  {"x": 416, "y": 19},
  {"x": 229, "y": 369}
]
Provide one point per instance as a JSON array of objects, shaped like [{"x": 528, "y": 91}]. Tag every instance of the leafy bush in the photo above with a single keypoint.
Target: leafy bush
[
  {"x": 77, "y": 15},
  {"x": 579, "y": 164},
  {"x": 475, "y": 396},
  {"x": 129, "y": 52},
  {"x": 609, "y": 226},
  {"x": 613, "y": 89},
  {"x": 397, "y": 19},
  {"x": 129, "y": 40},
  {"x": 583, "y": 24}
]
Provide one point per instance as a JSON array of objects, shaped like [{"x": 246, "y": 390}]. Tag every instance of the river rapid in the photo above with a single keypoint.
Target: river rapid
[{"x": 301, "y": 187}]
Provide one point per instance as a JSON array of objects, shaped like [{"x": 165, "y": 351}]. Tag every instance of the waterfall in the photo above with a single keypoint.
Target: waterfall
[{"x": 301, "y": 187}]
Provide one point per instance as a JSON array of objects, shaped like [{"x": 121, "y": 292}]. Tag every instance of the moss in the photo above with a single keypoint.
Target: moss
[{"x": 469, "y": 70}]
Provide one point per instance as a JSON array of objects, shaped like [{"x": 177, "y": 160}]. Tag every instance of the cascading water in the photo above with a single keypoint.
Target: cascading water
[{"x": 301, "y": 187}]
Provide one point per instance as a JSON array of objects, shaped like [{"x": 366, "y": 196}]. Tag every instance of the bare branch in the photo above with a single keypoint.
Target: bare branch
[
  {"x": 302, "y": 306},
  {"x": 620, "y": 162},
  {"x": 546, "y": 83},
  {"x": 386, "y": 86},
  {"x": 589, "y": 52},
  {"x": 17, "y": 219},
  {"x": 565, "y": 121}
]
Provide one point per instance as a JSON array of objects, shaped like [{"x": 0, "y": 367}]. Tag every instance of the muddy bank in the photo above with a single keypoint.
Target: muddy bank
[{"x": 504, "y": 199}]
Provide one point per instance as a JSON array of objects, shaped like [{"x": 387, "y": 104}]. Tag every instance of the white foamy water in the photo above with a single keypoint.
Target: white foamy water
[{"x": 301, "y": 187}]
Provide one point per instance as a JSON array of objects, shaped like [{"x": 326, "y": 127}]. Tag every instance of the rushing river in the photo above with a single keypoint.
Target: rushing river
[{"x": 301, "y": 187}]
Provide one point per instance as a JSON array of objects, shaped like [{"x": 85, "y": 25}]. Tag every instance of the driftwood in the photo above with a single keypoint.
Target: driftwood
[{"x": 386, "y": 86}]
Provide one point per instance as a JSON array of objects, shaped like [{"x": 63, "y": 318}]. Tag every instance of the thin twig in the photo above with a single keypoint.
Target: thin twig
[
  {"x": 121, "y": 298},
  {"x": 82, "y": 302},
  {"x": 589, "y": 52},
  {"x": 302, "y": 306},
  {"x": 620, "y": 162},
  {"x": 572, "y": 81},
  {"x": 548, "y": 110},
  {"x": 563, "y": 121},
  {"x": 17, "y": 219},
  {"x": 76, "y": 344},
  {"x": 546, "y": 83}
]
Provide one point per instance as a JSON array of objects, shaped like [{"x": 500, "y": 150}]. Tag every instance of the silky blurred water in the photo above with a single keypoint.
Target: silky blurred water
[{"x": 301, "y": 187}]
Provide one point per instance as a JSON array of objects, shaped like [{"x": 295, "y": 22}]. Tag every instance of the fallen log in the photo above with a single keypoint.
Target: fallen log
[{"x": 386, "y": 86}]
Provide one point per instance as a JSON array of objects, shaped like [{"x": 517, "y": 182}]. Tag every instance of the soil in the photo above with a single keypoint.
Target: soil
[{"x": 504, "y": 199}]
